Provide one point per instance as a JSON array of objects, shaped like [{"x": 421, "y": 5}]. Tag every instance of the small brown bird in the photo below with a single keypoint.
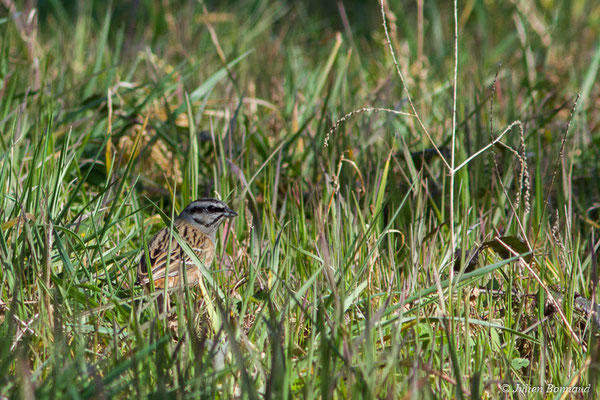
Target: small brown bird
[{"x": 197, "y": 225}]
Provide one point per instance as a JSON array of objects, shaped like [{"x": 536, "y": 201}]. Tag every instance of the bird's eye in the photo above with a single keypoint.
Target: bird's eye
[{"x": 211, "y": 208}]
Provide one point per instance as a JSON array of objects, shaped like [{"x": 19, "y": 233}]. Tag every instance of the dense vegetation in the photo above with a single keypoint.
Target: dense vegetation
[{"x": 377, "y": 253}]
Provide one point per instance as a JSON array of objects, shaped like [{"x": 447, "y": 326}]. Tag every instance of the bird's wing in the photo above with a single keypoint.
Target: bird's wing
[{"x": 158, "y": 254}]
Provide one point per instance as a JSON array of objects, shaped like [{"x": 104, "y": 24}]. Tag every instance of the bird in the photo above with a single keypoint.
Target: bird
[{"x": 197, "y": 225}]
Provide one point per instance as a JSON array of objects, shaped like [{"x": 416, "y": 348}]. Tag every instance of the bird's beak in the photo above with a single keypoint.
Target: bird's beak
[{"x": 229, "y": 213}]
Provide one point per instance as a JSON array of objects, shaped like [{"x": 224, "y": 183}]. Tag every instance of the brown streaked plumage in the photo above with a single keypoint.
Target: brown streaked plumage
[{"x": 197, "y": 225}]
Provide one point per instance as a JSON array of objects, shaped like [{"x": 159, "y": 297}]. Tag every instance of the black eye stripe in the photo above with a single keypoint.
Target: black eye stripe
[{"x": 203, "y": 209}]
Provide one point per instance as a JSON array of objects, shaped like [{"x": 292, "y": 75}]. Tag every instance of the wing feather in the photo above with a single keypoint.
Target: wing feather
[{"x": 158, "y": 256}]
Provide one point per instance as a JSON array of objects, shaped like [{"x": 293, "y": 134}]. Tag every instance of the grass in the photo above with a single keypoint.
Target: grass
[{"x": 340, "y": 277}]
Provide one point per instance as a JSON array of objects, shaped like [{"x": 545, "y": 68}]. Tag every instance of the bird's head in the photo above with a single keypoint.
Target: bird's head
[{"x": 206, "y": 214}]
